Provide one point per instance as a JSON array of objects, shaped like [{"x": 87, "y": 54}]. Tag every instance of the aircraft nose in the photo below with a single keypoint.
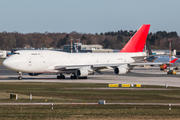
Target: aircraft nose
[
  {"x": 5, "y": 63},
  {"x": 8, "y": 63},
  {"x": 11, "y": 63}
]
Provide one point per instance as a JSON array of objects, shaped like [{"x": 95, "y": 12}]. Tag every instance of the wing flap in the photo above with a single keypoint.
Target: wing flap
[
  {"x": 69, "y": 67},
  {"x": 101, "y": 66},
  {"x": 141, "y": 58},
  {"x": 106, "y": 66}
]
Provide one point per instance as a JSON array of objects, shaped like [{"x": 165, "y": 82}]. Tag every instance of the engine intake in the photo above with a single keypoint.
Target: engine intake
[
  {"x": 164, "y": 66},
  {"x": 120, "y": 70},
  {"x": 81, "y": 73}
]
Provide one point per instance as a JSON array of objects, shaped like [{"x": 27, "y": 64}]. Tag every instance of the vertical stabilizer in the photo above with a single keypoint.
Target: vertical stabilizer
[{"x": 137, "y": 42}]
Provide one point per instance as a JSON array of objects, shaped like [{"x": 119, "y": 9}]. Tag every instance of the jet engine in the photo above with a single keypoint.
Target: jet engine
[
  {"x": 34, "y": 74},
  {"x": 120, "y": 70},
  {"x": 81, "y": 73},
  {"x": 162, "y": 67}
]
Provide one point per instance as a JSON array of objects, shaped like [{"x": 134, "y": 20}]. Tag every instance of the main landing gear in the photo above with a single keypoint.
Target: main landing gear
[
  {"x": 20, "y": 76},
  {"x": 83, "y": 77},
  {"x": 75, "y": 77},
  {"x": 60, "y": 76}
]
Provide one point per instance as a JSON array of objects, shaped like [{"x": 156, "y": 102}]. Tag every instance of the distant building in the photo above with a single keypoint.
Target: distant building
[
  {"x": 86, "y": 48},
  {"x": 4, "y": 53}
]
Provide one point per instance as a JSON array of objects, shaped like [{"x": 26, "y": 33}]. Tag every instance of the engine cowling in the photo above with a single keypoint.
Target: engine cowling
[
  {"x": 120, "y": 70},
  {"x": 164, "y": 66},
  {"x": 81, "y": 73},
  {"x": 34, "y": 74}
]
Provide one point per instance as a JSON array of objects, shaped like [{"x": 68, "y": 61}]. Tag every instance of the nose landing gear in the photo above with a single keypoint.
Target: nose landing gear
[{"x": 20, "y": 76}]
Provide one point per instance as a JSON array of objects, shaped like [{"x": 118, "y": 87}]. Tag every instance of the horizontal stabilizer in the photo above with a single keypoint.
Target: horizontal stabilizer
[{"x": 173, "y": 61}]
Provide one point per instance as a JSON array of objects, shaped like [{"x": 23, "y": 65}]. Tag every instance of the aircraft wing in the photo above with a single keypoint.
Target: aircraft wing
[
  {"x": 108, "y": 65},
  {"x": 64, "y": 67},
  {"x": 155, "y": 63},
  {"x": 99, "y": 67},
  {"x": 75, "y": 67},
  {"x": 140, "y": 58}
]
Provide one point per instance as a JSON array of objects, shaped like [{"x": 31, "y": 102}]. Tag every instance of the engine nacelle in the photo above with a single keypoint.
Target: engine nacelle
[
  {"x": 34, "y": 74},
  {"x": 81, "y": 73},
  {"x": 120, "y": 70},
  {"x": 164, "y": 66}
]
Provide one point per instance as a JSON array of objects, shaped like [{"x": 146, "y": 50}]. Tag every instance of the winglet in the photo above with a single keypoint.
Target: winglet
[
  {"x": 173, "y": 61},
  {"x": 137, "y": 42}
]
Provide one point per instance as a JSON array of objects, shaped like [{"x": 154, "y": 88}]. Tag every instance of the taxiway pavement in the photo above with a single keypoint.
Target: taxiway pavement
[{"x": 144, "y": 76}]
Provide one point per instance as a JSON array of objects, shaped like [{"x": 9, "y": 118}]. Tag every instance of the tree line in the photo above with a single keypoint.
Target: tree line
[{"x": 111, "y": 39}]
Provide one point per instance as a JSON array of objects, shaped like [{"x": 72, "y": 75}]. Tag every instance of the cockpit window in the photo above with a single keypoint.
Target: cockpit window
[{"x": 16, "y": 53}]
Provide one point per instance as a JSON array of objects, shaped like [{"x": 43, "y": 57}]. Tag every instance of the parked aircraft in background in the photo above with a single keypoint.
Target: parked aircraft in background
[
  {"x": 163, "y": 59},
  {"x": 79, "y": 65}
]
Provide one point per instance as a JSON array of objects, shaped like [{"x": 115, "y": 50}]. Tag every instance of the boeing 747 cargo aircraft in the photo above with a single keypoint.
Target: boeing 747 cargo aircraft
[{"x": 79, "y": 65}]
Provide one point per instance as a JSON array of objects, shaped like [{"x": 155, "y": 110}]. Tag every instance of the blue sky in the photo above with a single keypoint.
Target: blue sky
[{"x": 88, "y": 16}]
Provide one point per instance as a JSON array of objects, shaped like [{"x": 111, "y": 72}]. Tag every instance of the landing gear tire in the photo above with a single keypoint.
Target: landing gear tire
[
  {"x": 74, "y": 77},
  {"x": 20, "y": 77},
  {"x": 61, "y": 77},
  {"x": 83, "y": 77}
]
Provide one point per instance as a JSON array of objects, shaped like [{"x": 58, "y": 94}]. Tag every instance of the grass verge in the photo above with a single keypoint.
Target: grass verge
[{"x": 52, "y": 92}]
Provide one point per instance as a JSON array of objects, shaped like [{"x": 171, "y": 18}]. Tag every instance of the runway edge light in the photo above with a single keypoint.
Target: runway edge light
[{"x": 113, "y": 85}]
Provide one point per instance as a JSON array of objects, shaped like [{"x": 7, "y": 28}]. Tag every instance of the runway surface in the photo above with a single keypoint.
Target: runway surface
[
  {"x": 144, "y": 76},
  {"x": 52, "y": 104}
]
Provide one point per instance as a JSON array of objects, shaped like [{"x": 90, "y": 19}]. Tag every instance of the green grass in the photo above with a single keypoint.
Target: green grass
[
  {"x": 53, "y": 92},
  {"x": 88, "y": 112}
]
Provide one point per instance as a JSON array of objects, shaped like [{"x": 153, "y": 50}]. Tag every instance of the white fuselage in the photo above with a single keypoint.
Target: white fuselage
[{"x": 45, "y": 61}]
